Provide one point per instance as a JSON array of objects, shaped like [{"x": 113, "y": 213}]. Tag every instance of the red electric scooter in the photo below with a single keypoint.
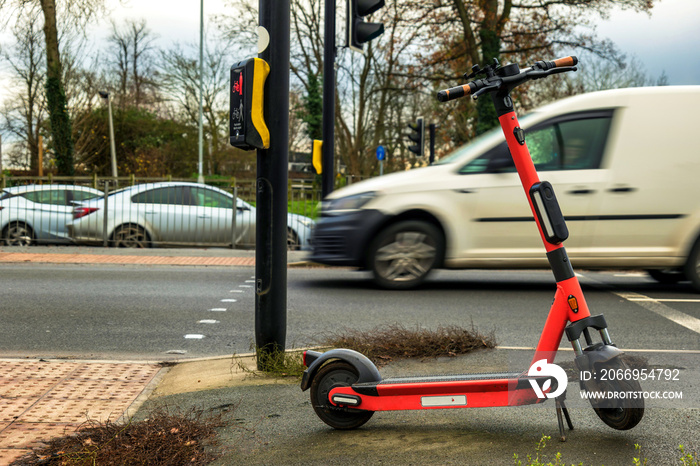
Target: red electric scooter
[{"x": 346, "y": 388}]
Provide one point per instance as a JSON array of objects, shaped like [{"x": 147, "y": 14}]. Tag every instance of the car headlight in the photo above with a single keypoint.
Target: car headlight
[{"x": 348, "y": 204}]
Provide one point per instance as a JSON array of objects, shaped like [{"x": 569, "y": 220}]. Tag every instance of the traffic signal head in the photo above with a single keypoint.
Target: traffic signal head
[
  {"x": 358, "y": 31},
  {"x": 417, "y": 135}
]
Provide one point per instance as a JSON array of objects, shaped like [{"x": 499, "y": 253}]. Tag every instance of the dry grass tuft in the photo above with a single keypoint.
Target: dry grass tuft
[
  {"x": 162, "y": 439},
  {"x": 383, "y": 344}
]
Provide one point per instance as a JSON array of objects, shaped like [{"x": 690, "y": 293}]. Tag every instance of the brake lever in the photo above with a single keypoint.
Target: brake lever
[
  {"x": 489, "y": 88},
  {"x": 538, "y": 74}
]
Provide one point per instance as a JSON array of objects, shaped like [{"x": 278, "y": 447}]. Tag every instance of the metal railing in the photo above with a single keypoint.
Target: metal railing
[{"x": 132, "y": 217}]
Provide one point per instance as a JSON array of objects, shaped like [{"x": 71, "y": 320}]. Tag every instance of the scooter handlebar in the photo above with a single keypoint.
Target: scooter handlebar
[
  {"x": 454, "y": 93},
  {"x": 494, "y": 81},
  {"x": 558, "y": 63},
  {"x": 566, "y": 61}
]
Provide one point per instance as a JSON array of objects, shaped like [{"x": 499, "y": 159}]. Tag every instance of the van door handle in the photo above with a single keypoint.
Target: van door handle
[
  {"x": 625, "y": 189},
  {"x": 581, "y": 191}
]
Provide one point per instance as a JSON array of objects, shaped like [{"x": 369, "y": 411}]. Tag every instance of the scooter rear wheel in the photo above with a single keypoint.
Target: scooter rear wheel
[
  {"x": 336, "y": 374},
  {"x": 629, "y": 412}
]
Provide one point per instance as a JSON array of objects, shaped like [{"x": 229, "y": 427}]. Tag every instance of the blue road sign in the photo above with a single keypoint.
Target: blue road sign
[{"x": 381, "y": 153}]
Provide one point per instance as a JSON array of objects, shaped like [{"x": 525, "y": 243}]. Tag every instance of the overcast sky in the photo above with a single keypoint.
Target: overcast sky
[{"x": 667, "y": 41}]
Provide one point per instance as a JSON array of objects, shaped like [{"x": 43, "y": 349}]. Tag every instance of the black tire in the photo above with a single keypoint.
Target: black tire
[
  {"x": 130, "y": 236},
  {"x": 336, "y": 374},
  {"x": 619, "y": 417},
  {"x": 403, "y": 254},
  {"x": 692, "y": 267},
  {"x": 18, "y": 234},
  {"x": 292, "y": 240},
  {"x": 667, "y": 276}
]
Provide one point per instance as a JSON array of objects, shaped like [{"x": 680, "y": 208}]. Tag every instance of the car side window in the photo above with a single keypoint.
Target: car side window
[
  {"x": 209, "y": 198},
  {"x": 50, "y": 197},
  {"x": 574, "y": 143},
  {"x": 83, "y": 195},
  {"x": 172, "y": 195}
]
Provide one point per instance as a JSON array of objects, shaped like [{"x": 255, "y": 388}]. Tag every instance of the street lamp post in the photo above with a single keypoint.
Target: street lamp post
[
  {"x": 200, "y": 178},
  {"x": 108, "y": 97}
]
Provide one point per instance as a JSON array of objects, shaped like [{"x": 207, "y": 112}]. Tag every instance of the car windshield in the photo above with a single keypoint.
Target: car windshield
[{"x": 475, "y": 145}]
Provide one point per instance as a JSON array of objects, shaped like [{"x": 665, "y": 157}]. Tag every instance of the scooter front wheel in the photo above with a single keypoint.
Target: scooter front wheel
[
  {"x": 330, "y": 376},
  {"x": 628, "y": 412}
]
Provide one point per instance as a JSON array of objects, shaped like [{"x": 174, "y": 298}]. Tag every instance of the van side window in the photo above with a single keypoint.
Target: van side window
[{"x": 562, "y": 144}]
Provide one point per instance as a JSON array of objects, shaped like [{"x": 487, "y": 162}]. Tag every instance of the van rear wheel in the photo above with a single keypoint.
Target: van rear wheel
[
  {"x": 692, "y": 267},
  {"x": 404, "y": 253}
]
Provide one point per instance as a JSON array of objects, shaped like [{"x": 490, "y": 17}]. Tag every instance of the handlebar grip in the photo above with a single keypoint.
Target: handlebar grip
[
  {"x": 566, "y": 61},
  {"x": 454, "y": 93}
]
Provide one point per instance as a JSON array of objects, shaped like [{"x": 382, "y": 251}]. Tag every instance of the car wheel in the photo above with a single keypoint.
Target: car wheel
[
  {"x": 403, "y": 254},
  {"x": 18, "y": 234},
  {"x": 130, "y": 236},
  {"x": 292, "y": 240},
  {"x": 692, "y": 267},
  {"x": 667, "y": 276}
]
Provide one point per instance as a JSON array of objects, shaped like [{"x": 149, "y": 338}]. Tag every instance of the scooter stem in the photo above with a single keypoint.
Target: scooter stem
[{"x": 569, "y": 303}]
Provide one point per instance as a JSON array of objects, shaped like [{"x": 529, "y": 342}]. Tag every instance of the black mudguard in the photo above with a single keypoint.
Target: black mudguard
[
  {"x": 593, "y": 360},
  {"x": 365, "y": 368}
]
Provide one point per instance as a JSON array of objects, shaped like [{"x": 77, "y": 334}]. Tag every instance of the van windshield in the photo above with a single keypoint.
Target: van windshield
[{"x": 480, "y": 143}]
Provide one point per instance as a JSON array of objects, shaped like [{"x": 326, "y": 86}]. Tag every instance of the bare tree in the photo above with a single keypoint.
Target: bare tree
[
  {"x": 468, "y": 32},
  {"x": 134, "y": 51},
  {"x": 75, "y": 14},
  {"x": 23, "y": 115},
  {"x": 179, "y": 72}
]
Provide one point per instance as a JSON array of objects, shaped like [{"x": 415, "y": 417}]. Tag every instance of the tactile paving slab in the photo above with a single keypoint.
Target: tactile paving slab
[{"x": 40, "y": 400}]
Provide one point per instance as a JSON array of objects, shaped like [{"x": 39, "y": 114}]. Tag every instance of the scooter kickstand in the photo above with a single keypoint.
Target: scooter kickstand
[{"x": 561, "y": 407}]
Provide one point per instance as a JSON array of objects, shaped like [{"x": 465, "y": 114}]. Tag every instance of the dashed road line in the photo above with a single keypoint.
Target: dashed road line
[
  {"x": 207, "y": 321},
  {"x": 218, "y": 309},
  {"x": 229, "y": 300},
  {"x": 194, "y": 336}
]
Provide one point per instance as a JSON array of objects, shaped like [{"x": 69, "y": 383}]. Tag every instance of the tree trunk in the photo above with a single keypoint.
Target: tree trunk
[{"x": 55, "y": 94}]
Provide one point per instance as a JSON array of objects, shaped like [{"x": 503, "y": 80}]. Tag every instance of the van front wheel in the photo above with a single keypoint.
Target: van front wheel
[
  {"x": 692, "y": 267},
  {"x": 404, "y": 253}
]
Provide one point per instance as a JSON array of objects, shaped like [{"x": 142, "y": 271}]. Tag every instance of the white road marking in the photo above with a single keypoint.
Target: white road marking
[
  {"x": 229, "y": 300},
  {"x": 665, "y": 300},
  {"x": 654, "y": 305},
  {"x": 193, "y": 336},
  {"x": 250, "y": 281},
  {"x": 218, "y": 309},
  {"x": 208, "y": 321},
  {"x": 236, "y": 291},
  {"x": 246, "y": 286}
]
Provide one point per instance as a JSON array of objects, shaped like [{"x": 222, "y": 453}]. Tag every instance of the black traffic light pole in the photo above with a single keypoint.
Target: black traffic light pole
[
  {"x": 271, "y": 186},
  {"x": 328, "y": 116},
  {"x": 358, "y": 32}
]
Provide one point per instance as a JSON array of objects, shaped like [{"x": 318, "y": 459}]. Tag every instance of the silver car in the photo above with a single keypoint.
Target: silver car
[
  {"x": 175, "y": 213},
  {"x": 39, "y": 213}
]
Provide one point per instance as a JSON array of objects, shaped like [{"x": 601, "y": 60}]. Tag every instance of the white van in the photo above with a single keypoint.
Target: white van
[{"x": 625, "y": 167}]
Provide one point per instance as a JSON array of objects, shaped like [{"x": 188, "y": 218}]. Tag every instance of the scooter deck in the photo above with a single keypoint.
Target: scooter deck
[{"x": 440, "y": 391}]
